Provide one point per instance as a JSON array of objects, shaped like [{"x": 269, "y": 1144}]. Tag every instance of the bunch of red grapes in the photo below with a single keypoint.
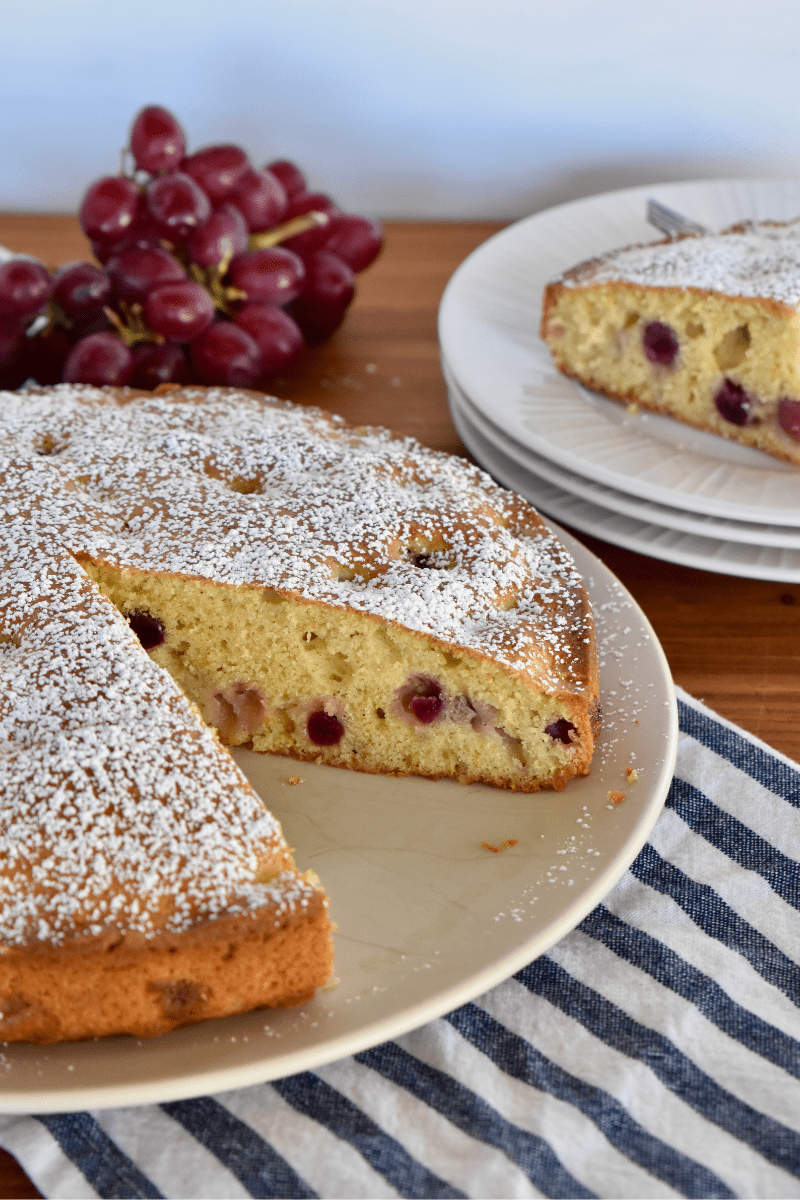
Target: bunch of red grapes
[{"x": 213, "y": 272}]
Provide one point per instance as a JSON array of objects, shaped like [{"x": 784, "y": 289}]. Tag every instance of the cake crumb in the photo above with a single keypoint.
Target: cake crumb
[
  {"x": 503, "y": 845},
  {"x": 631, "y": 774},
  {"x": 616, "y": 797}
]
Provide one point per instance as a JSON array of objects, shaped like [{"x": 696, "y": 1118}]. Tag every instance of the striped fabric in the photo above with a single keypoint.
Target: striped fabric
[{"x": 655, "y": 1051}]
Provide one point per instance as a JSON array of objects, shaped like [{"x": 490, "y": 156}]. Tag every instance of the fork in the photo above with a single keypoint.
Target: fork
[{"x": 670, "y": 222}]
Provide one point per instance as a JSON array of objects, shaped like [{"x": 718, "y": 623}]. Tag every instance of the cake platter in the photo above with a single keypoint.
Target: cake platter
[
  {"x": 501, "y": 460},
  {"x": 488, "y": 331},
  {"x": 433, "y": 903}
]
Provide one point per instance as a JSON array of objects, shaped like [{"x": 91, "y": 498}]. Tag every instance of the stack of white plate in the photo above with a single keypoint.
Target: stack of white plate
[{"x": 631, "y": 478}]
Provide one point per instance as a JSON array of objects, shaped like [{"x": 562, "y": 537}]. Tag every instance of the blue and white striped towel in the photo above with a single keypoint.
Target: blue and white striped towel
[{"x": 655, "y": 1051}]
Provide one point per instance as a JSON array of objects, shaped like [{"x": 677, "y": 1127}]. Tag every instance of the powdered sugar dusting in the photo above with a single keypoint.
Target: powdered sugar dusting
[
  {"x": 754, "y": 259},
  {"x": 246, "y": 491},
  {"x": 107, "y": 811}
]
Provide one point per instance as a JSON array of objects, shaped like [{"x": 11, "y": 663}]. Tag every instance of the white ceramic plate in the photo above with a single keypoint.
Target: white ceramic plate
[
  {"x": 488, "y": 330},
  {"x": 656, "y": 541},
  {"x": 427, "y": 917},
  {"x": 783, "y": 536}
]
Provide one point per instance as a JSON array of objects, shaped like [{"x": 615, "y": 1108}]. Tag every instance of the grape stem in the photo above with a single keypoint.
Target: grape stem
[
  {"x": 133, "y": 328},
  {"x": 45, "y": 320},
  {"x": 272, "y": 237},
  {"x": 211, "y": 278}
]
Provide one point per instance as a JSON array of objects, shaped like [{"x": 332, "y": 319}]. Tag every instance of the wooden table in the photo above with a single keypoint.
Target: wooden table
[{"x": 734, "y": 643}]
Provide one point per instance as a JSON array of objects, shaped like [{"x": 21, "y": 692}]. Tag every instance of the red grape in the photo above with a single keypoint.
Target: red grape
[
  {"x": 47, "y": 352},
  {"x": 260, "y": 199},
  {"x": 136, "y": 271},
  {"x": 292, "y": 178},
  {"x": 312, "y": 239},
  {"x": 217, "y": 169},
  {"x": 11, "y": 340},
  {"x": 15, "y": 373},
  {"x": 732, "y": 401},
  {"x": 154, "y": 365},
  {"x": 277, "y": 336},
  {"x": 144, "y": 232},
  {"x": 225, "y": 354},
  {"x": 329, "y": 281},
  {"x": 223, "y": 235},
  {"x": 303, "y": 202},
  {"x": 316, "y": 323},
  {"x": 179, "y": 311},
  {"x": 157, "y": 141},
  {"x": 357, "y": 241},
  {"x": 789, "y": 417},
  {"x": 109, "y": 209},
  {"x": 100, "y": 358},
  {"x": 101, "y": 251},
  {"x": 324, "y": 729},
  {"x": 660, "y": 343},
  {"x": 25, "y": 285},
  {"x": 561, "y": 730},
  {"x": 328, "y": 290},
  {"x": 426, "y": 708},
  {"x": 81, "y": 290},
  {"x": 271, "y": 276},
  {"x": 148, "y": 629},
  {"x": 177, "y": 205}
]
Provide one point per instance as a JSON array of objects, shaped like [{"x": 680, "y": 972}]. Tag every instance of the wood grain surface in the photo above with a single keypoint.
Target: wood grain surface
[{"x": 734, "y": 643}]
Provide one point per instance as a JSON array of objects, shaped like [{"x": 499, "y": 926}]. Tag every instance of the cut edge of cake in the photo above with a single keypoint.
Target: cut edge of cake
[{"x": 387, "y": 700}]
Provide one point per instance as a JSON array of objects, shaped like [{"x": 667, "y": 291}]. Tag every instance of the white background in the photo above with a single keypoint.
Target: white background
[{"x": 408, "y": 108}]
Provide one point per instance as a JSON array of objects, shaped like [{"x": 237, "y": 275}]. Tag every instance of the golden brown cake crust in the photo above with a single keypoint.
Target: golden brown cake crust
[{"x": 126, "y": 983}]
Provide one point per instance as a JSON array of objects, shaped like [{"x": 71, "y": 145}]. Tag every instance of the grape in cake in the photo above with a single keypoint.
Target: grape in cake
[{"x": 702, "y": 327}]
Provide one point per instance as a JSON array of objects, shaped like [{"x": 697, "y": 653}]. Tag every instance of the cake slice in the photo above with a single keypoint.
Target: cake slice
[
  {"x": 143, "y": 885},
  {"x": 702, "y": 327}
]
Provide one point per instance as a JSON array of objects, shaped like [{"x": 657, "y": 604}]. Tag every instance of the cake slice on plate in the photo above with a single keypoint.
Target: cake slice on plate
[{"x": 703, "y": 327}]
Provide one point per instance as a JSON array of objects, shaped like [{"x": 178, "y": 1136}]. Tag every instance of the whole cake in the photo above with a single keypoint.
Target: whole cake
[
  {"x": 311, "y": 589},
  {"x": 703, "y": 327}
]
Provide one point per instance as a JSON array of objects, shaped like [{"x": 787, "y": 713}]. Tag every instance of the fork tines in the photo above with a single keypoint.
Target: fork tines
[{"x": 671, "y": 222}]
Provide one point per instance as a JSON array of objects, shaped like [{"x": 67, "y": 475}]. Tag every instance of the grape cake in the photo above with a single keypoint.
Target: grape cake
[
  {"x": 308, "y": 588},
  {"x": 702, "y": 327}
]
